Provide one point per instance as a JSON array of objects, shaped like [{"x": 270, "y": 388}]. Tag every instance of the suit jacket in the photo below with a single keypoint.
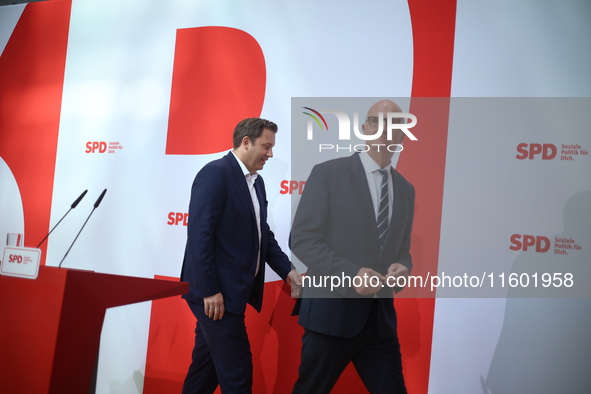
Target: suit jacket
[
  {"x": 222, "y": 243},
  {"x": 335, "y": 233}
]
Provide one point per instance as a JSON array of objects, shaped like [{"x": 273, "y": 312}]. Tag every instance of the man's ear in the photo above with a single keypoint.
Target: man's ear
[{"x": 245, "y": 142}]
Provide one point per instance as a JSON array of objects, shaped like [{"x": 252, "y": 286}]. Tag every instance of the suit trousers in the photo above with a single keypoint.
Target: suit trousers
[
  {"x": 221, "y": 355},
  {"x": 324, "y": 357}
]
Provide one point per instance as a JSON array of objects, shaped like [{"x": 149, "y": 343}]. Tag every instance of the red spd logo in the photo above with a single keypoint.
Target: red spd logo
[
  {"x": 530, "y": 151},
  {"x": 96, "y": 147},
  {"x": 525, "y": 242},
  {"x": 14, "y": 258},
  {"x": 177, "y": 218},
  {"x": 289, "y": 187}
]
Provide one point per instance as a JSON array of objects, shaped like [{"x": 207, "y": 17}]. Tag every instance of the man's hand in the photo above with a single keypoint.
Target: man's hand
[
  {"x": 366, "y": 287},
  {"x": 295, "y": 281},
  {"x": 394, "y": 271},
  {"x": 214, "y": 306}
]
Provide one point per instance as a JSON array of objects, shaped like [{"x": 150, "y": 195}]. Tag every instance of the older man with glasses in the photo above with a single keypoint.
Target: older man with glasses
[{"x": 354, "y": 220}]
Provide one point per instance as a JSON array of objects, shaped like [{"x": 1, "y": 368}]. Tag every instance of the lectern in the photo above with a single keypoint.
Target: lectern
[{"x": 50, "y": 327}]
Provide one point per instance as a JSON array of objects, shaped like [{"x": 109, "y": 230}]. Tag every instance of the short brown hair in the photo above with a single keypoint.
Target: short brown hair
[{"x": 251, "y": 128}]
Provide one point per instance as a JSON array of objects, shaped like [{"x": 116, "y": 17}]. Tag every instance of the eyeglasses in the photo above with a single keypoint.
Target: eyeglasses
[{"x": 373, "y": 121}]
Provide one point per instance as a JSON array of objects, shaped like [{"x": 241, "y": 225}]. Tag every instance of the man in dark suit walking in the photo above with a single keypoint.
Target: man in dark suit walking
[
  {"x": 354, "y": 220},
  {"x": 228, "y": 243}
]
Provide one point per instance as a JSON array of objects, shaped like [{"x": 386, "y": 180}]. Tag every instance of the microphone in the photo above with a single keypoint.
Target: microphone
[
  {"x": 98, "y": 201},
  {"x": 74, "y": 204},
  {"x": 96, "y": 205}
]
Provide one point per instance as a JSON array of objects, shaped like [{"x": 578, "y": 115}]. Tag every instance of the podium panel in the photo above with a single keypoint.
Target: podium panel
[{"x": 50, "y": 327}]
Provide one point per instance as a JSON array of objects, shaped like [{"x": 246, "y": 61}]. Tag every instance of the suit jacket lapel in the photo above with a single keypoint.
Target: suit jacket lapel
[
  {"x": 241, "y": 182},
  {"x": 397, "y": 210},
  {"x": 360, "y": 187},
  {"x": 258, "y": 187},
  {"x": 260, "y": 190}
]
